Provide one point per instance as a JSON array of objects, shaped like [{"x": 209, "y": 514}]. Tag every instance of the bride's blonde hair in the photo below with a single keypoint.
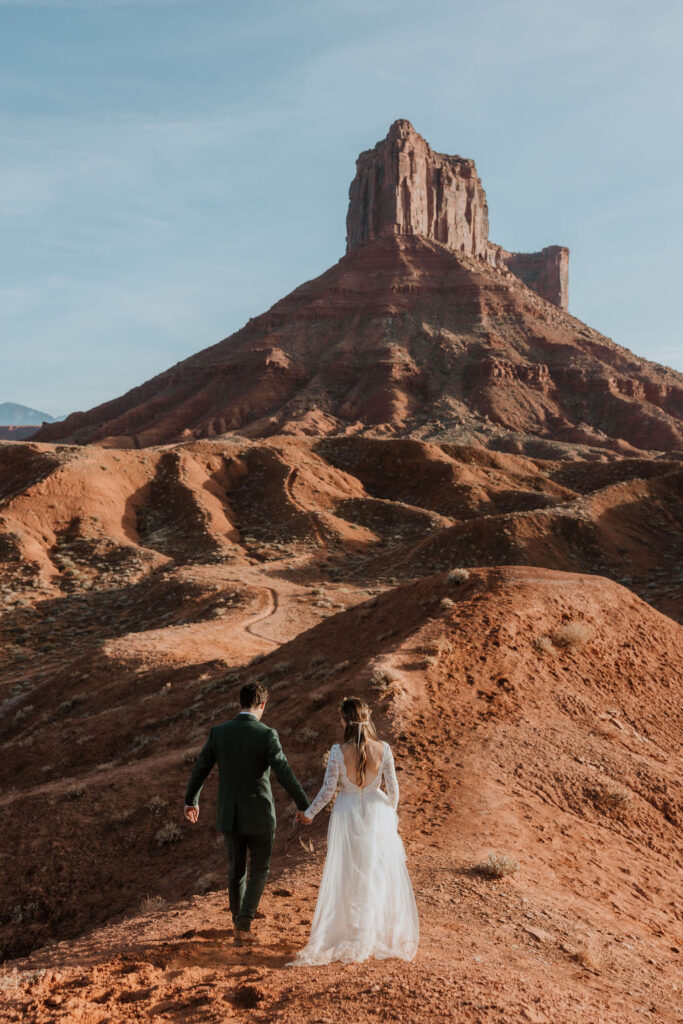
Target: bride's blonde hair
[{"x": 359, "y": 728}]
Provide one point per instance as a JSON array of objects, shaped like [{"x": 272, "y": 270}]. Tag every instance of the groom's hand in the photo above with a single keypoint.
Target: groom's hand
[
  {"x": 191, "y": 813},
  {"x": 302, "y": 819}
]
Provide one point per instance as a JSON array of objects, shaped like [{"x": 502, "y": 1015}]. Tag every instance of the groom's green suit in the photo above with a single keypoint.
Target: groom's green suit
[{"x": 245, "y": 750}]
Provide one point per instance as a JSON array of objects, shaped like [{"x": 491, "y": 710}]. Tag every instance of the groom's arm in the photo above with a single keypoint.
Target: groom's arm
[
  {"x": 283, "y": 773},
  {"x": 202, "y": 767}
]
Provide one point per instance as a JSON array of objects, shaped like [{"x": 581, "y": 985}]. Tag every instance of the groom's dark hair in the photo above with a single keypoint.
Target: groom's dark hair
[{"x": 253, "y": 694}]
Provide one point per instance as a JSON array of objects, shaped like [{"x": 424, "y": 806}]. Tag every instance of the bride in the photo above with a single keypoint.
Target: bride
[{"x": 366, "y": 905}]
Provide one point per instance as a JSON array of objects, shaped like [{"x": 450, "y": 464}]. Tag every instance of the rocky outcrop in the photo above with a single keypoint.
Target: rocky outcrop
[
  {"x": 403, "y": 187},
  {"x": 546, "y": 272}
]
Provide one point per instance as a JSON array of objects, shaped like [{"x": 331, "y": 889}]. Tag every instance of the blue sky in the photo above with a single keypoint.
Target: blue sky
[{"x": 170, "y": 168}]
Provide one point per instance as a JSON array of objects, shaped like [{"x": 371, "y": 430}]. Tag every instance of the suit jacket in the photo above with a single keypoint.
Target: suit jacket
[{"x": 245, "y": 750}]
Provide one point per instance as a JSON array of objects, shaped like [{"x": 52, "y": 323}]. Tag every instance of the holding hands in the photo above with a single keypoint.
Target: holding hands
[{"x": 302, "y": 819}]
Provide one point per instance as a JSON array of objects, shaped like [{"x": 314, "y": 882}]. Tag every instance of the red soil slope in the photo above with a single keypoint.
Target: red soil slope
[{"x": 534, "y": 711}]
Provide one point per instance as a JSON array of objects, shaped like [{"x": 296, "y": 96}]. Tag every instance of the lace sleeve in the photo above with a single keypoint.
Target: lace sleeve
[
  {"x": 390, "y": 780},
  {"x": 329, "y": 786}
]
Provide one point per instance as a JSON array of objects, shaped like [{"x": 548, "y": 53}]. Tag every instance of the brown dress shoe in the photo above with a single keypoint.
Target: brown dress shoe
[{"x": 244, "y": 938}]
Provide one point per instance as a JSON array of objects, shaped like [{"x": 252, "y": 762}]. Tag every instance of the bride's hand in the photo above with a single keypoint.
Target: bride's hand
[{"x": 302, "y": 819}]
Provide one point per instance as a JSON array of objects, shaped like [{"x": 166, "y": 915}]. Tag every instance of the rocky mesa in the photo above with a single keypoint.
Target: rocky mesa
[{"x": 423, "y": 329}]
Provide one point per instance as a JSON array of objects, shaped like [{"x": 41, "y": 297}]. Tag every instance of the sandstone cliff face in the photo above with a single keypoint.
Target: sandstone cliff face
[{"x": 403, "y": 187}]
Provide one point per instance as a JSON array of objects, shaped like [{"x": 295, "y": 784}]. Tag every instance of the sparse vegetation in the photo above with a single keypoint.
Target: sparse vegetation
[
  {"x": 456, "y": 576},
  {"x": 611, "y": 799},
  {"x": 572, "y": 634},
  {"x": 150, "y": 904},
  {"x": 382, "y": 678},
  {"x": 446, "y": 604},
  {"x": 497, "y": 865},
  {"x": 307, "y": 735},
  {"x": 156, "y": 804},
  {"x": 543, "y": 644},
  {"x": 205, "y": 883},
  {"x": 75, "y": 792},
  {"x": 168, "y": 833}
]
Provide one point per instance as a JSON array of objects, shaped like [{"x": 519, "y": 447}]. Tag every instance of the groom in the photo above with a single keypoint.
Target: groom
[{"x": 245, "y": 750}]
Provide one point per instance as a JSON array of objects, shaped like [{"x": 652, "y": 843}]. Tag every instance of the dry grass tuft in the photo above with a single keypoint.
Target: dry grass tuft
[
  {"x": 205, "y": 883},
  {"x": 168, "y": 833},
  {"x": 151, "y": 903},
  {"x": 156, "y": 804},
  {"x": 456, "y": 576},
  {"x": 572, "y": 634},
  {"x": 611, "y": 799},
  {"x": 382, "y": 678},
  {"x": 497, "y": 865},
  {"x": 543, "y": 644},
  {"x": 307, "y": 735},
  {"x": 446, "y": 604}
]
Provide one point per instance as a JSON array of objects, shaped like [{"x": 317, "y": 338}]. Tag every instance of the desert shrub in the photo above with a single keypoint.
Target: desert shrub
[
  {"x": 610, "y": 799},
  {"x": 497, "y": 865},
  {"x": 151, "y": 903},
  {"x": 572, "y": 634},
  {"x": 75, "y": 792},
  {"x": 317, "y": 660},
  {"x": 156, "y": 804},
  {"x": 168, "y": 833},
  {"x": 382, "y": 678},
  {"x": 456, "y": 576},
  {"x": 446, "y": 603},
  {"x": 306, "y": 735},
  {"x": 205, "y": 883},
  {"x": 282, "y": 667},
  {"x": 543, "y": 644},
  {"x": 190, "y": 756}
]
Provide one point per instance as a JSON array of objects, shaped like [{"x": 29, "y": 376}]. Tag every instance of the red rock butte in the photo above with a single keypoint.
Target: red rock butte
[
  {"x": 424, "y": 329},
  {"x": 402, "y": 187}
]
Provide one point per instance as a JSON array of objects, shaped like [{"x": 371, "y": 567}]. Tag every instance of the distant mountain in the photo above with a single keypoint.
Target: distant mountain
[
  {"x": 20, "y": 415},
  {"x": 425, "y": 328}
]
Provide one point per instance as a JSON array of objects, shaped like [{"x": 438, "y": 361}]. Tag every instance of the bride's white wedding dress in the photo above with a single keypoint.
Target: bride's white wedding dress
[{"x": 366, "y": 905}]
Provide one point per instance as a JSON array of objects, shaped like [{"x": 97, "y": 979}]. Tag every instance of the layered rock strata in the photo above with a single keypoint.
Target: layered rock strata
[{"x": 403, "y": 187}]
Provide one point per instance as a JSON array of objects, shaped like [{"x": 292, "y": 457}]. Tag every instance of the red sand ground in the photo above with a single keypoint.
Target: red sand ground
[{"x": 534, "y": 712}]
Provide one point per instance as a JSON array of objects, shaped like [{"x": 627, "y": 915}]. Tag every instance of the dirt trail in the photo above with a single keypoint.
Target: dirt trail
[{"x": 267, "y": 614}]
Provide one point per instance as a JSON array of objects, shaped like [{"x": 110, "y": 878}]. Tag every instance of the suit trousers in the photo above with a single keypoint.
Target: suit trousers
[{"x": 244, "y": 893}]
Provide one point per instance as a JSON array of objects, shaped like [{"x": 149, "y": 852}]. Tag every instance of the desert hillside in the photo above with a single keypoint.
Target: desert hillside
[{"x": 513, "y": 621}]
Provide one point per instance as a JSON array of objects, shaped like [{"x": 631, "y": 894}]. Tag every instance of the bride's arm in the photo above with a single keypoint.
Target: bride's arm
[
  {"x": 390, "y": 780},
  {"x": 328, "y": 788}
]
